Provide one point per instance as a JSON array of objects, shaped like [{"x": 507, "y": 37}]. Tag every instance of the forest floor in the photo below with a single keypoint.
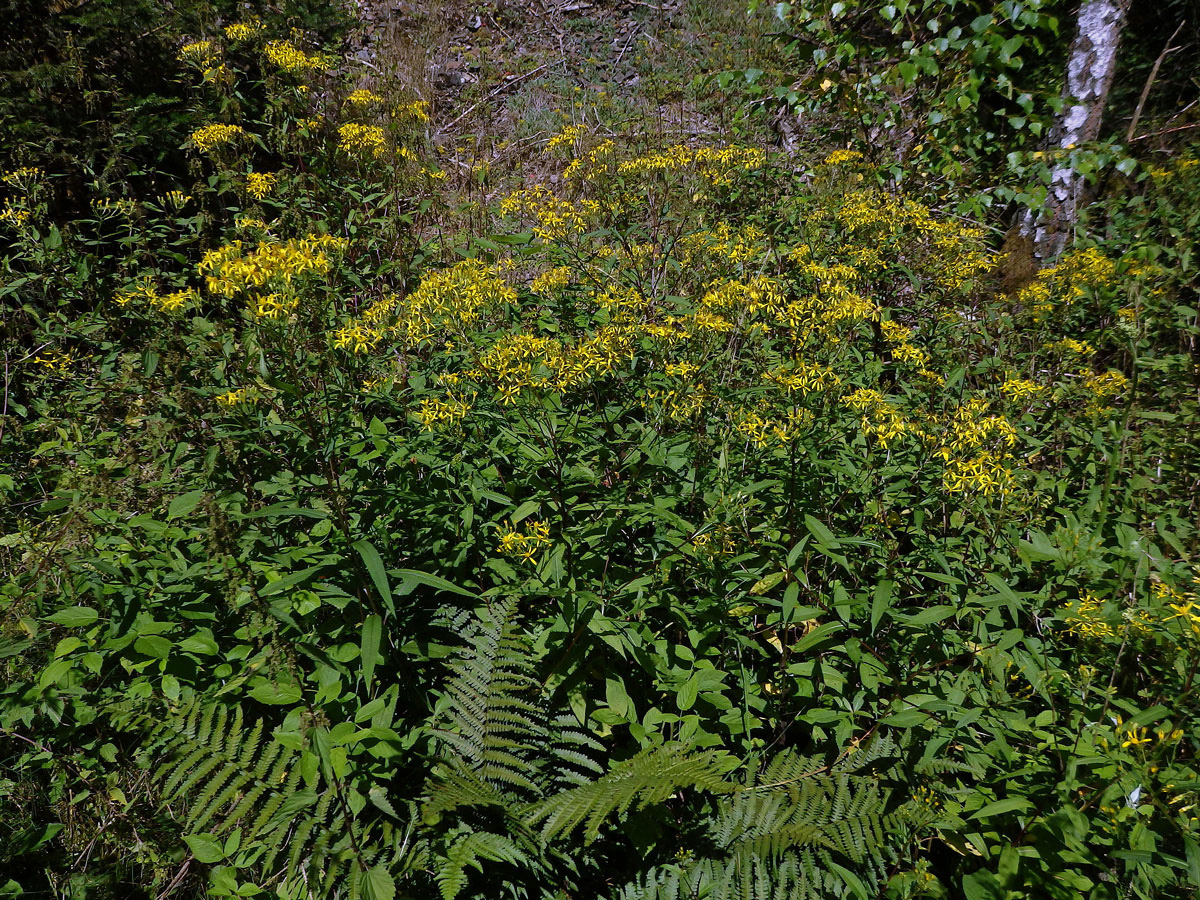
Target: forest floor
[{"x": 502, "y": 78}]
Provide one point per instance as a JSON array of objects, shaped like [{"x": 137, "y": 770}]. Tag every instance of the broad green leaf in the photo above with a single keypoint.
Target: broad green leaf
[
  {"x": 184, "y": 504},
  {"x": 74, "y": 617},
  {"x": 411, "y": 578},
  {"x": 372, "y": 631},
  {"x": 373, "y": 562},
  {"x": 205, "y": 847},
  {"x": 881, "y": 600},
  {"x": 765, "y": 584},
  {"x": 154, "y": 645},
  {"x": 1008, "y": 804},
  {"x": 819, "y": 531},
  {"x": 377, "y": 884},
  {"x": 275, "y": 693},
  {"x": 290, "y": 580}
]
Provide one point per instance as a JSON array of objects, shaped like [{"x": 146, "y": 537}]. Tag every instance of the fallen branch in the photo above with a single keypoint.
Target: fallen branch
[{"x": 470, "y": 109}]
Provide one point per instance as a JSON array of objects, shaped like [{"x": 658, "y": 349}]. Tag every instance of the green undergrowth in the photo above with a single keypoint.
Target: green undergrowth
[{"x": 712, "y": 523}]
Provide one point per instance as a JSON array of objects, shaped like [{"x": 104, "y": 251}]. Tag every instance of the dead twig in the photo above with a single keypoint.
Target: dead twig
[
  {"x": 1137, "y": 112},
  {"x": 470, "y": 109}
]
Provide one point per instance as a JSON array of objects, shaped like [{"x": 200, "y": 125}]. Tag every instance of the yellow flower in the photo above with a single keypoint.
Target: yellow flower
[
  {"x": 290, "y": 58},
  {"x": 842, "y": 157},
  {"x": 244, "y": 31},
  {"x": 199, "y": 52},
  {"x": 210, "y": 137},
  {"x": 260, "y": 184},
  {"x": 526, "y": 543},
  {"x": 363, "y": 98},
  {"x": 551, "y": 281},
  {"x": 1019, "y": 389},
  {"x": 362, "y": 140},
  {"x": 232, "y": 398}
]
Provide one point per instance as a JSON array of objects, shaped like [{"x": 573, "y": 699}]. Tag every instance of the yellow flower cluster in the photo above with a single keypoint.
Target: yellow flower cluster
[
  {"x": 518, "y": 362},
  {"x": 453, "y": 299},
  {"x": 232, "y": 398},
  {"x": 722, "y": 245},
  {"x": 1086, "y": 618},
  {"x": 209, "y": 137},
  {"x": 526, "y": 543},
  {"x": 198, "y": 52},
  {"x": 739, "y": 298},
  {"x": 1104, "y": 387},
  {"x": 770, "y": 429},
  {"x": 555, "y": 218},
  {"x": 362, "y": 140},
  {"x": 880, "y": 418},
  {"x": 842, "y": 157},
  {"x": 435, "y": 414},
  {"x": 905, "y": 351},
  {"x": 146, "y": 295},
  {"x": 290, "y": 58},
  {"x": 1070, "y": 347},
  {"x": 275, "y": 305},
  {"x": 244, "y": 31},
  {"x": 14, "y": 216},
  {"x": 175, "y": 199},
  {"x": 231, "y": 270},
  {"x": 1058, "y": 287},
  {"x": 363, "y": 98},
  {"x": 956, "y": 254},
  {"x": 20, "y": 177},
  {"x": 118, "y": 206},
  {"x": 679, "y": 405},
  {"x": 566, "y": 138},
  {"x": 57, "y": 362},
  {"x": 721, "y": 541},
  {"x": 595, "y": 163},
  {"x": 412, "y": 111},
  {"x": 260, "y": 184},
  {"x": 984, "y": 473},
  {"x": 971, "y": 429},
  {"x": 807, "y": 378},
  {"x": 1020, "y": 389},
  {"x": 553, "y": 280},
  {"x": 716, "y": 164}
]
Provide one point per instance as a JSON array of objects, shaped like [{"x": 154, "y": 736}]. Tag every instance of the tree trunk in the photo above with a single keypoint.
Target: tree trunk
[{"x": 1090, "y": 68}]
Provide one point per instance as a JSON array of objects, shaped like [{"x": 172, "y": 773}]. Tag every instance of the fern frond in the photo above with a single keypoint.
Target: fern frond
[
  {"x": 650, "y": 777},
  {"x": 494, "y": 719},
  {"x": 469, "y": 849}
]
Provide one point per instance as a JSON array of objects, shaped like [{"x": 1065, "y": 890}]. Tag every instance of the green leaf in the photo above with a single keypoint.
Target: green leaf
[
  {"x": 815, "y": 636},
  {"x": 374, "y": 564},
  {"x": 274, "y": 693},
  {"x": 290, "y": 580},
  {"x": 818, "y": 530},
  {"x": 74, "y": 617},
  {"x": 411, "y": 577},
  {"x": 184, "y": 504},
  {"x": 685, "y": 699},
  {"x": 528, "y": 508},
  {"x": 1008, "y": 804},
  {"x": 982, "y": 885},
  {"x": 372, "y": 631},
  {"x": 154, "y": 645},
  {"x": 765, "y": 584},
  {"x": 377, "y": 884},
  {"x": 205, "y": 847},
  {"x": 931, "y": 615},
  {"x": 881, "y": 600},
  {"x": 201, "y": 643}
]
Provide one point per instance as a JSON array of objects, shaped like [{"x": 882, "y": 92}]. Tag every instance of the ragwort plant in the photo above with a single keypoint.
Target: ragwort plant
[{"x": 715, "y": 527}]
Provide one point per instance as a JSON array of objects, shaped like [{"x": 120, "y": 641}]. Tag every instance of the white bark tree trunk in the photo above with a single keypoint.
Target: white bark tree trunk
[{"x": 1090, "y": 67}]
